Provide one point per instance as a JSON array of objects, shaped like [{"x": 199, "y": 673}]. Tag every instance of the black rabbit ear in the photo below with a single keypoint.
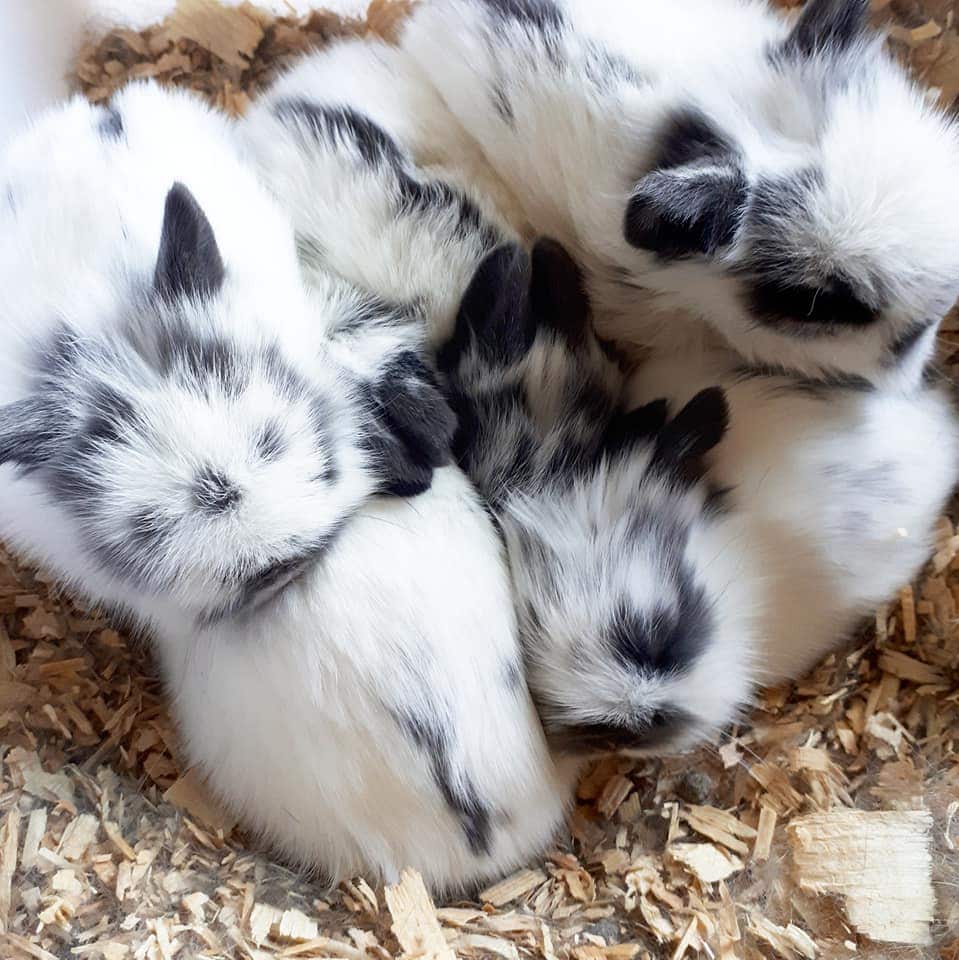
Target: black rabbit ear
[
  {"x": 687, "y": 210},
  {"x": 27, "y": 434},
  {"x": 558, "y": 296},
  {"x": 189, "y": 262},
  {"x": 625, "y": 430},
  {"x": 494, "y": 313},
  {"x": 828, "y": 26},
  {"x": 695, "y": 430}
]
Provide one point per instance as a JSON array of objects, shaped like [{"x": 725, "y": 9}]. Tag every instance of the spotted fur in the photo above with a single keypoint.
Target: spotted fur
[{"x": 716, "y": 190}]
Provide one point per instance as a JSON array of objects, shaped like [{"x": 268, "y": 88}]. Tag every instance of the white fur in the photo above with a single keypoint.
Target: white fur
[
  {"x": 581, "y": 136},
  {"x": 836, "y": 493},
  {"x": 368, "y": 712}
]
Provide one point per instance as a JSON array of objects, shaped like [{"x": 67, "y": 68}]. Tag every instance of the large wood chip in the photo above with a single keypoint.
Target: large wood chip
[
  {"x": 8, "y": 863},
  {"x": 879, "y": 862},
  {"x": 705, "y": 860},
  {"x": 513, "y": 887},
  {"x": 415, "y": 924},
  {"x": 901, "y": 665},
  {"x": 190, "y": 793}
]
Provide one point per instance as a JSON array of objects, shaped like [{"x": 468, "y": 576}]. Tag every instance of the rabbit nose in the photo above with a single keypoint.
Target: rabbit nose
[{"x": 214, "y": 492}]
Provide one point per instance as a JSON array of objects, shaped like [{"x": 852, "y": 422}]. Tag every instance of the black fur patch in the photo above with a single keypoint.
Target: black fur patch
[
  {"x": 691, "y": 434},
  {"x": 832, "y": 304},
  {"x": 821, "y": 386},
  {"x": 30, "y": 435},
  {"x": 665, "y": 639},
  {"x": 641, "y": 425},
  {"x": 270, "y": 441},
  {"x": 558, "y": 297},
  {"x": 202, "y": 358},
  {"x": 687, "y": 212},
  {"x": 189, "y": 263},
  {"x": 374, "y": 145},
  {"x": 214, "y": 492},
  {"x": 458, "y": 792},
  {"x": 544, "y": 16},
  {"x": 688, "y": 136},
  {"x": 110, "y": 124},
  {"x": 424, "y": 196},
  {"x": 110, "y": 412},
  {"x": 494, "y": 314},
  {"x": 903, "y": 345},
  {"x": 827, "y": 26},
  {"x": 606, "y": 737}
]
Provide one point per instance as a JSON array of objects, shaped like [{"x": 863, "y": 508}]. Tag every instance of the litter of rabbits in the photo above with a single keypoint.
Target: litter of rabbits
[{"x": 108, "y": 849}]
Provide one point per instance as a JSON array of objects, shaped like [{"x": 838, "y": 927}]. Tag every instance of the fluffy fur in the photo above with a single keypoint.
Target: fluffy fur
[
  {"x": 191, "y": 435},
  {"x": 839, "y": 490},
  {"x": 704, "y": 160},
  {"x": 635, "y": 637}
]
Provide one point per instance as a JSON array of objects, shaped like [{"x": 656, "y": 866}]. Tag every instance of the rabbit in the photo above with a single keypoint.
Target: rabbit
[
  {"x": 381, "y": 185},
  {"x": 192, "y": 437},
  {"x": 636, "y": 603},
  {"x": 728, "y": 177},
  {"x": 842, "y": 487}
]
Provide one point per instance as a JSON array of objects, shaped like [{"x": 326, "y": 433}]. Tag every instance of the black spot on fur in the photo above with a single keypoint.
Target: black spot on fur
[
  {"x": 214, "y": 492},
  {"x": 665, "y": 639},
  {"x": 686, "y": 212},
  {"x": 688, "y": 136},
  {"x": 270, "y": 441},
  {"x": 202, "y": 358},
  {"x": 903, "y": 345},
  {"x": 832, "y": 304},
  {"x": 430, "y": 195},
  {"x": 827, "y": 26},
  {"x": 30, "y": 435},
  {"x": 558, "y": 297},
  {"x": 494, "y": 314},
  {"x": 110, "y": 124},
  {"x": 410, "y": 427},
  {"x": 609, "y": 737},
  {"x": 540, "y": 15},
  {"x": 456, "y": 787},
  {"x": 189, "y": 263},
  {"x": 821, "y": 386},
  {"x": 109, "y": 414},
  {"x": 374, "y": 145}
]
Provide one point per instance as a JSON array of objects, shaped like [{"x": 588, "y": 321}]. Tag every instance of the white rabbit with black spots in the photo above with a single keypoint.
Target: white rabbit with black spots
[
  {"x": 705, "y": 160},
  {"x": 636, "y": 601},
  {"x": 842, "y": 486},
  {"x": 178, "y": 442}
]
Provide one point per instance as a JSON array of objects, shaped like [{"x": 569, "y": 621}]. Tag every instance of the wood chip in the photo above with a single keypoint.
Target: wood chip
[
  {"x": 513, "y": 887},
  {"x": 190, "y": 793},
  {"x": 232, "y": 35},
  {"x": 879, "y": 862},
  {"x": 8, "y": 863},
  {"x": 764, "y": 834},
  {"x": 705, "y": 861},
  {"x": 414, "y": 919}
]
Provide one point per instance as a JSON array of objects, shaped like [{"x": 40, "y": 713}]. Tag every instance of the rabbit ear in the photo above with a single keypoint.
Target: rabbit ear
[
  {"x": 494, "y": 313},
  {"x": 189, "y": 262},
  {"x": 686, "y": 210},
  {"x": 826, "y": 26},
  {"x": 28, "y": 436},
  {"x": 694, "y": 431},
  {"x": 558, "y": 296}
]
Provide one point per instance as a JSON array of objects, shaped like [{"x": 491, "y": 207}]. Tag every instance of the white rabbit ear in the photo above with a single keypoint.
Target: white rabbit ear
[
  {"x": 828, "y": 26},
  {"x": 189, "y": 262},
  {"x": 28, "y": 436},
  {"x": 685, "y": 211}
]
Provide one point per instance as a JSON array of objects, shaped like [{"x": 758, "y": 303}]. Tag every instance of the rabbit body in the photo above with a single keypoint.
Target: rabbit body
[{"x": 704, "y": 161}]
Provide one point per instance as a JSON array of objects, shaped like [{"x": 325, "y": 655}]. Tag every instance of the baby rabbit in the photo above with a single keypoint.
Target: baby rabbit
[
  {"x": 842, "y": 488},
  {"x": 635, "y": 600},
  {"x": 786, "y": 184},
  {"x": 177, "y": 441}
]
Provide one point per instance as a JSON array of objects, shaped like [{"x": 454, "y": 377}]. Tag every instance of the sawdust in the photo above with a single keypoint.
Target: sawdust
[{"x": 832, "y": 816}]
